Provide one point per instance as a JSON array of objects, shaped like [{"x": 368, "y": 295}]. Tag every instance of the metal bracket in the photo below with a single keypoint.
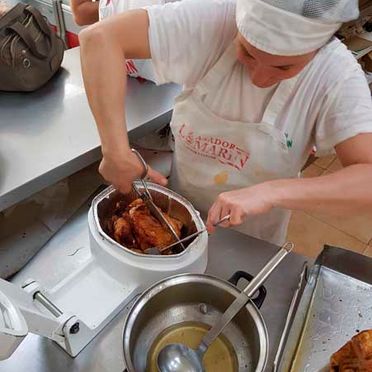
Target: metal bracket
[{"x": 303, "y": 280}]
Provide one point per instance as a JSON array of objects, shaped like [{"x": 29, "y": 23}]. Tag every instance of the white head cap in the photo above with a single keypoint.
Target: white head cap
[{"x": 292, "y": 27}]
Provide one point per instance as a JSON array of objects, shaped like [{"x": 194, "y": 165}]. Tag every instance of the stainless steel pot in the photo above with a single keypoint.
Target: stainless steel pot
[{"x": 201, "y": 299}]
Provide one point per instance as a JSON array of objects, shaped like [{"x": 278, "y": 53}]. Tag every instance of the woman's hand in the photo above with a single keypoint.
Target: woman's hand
[
  {"x": 122, "y": 169},
  {"x": 240, "y": 204}
]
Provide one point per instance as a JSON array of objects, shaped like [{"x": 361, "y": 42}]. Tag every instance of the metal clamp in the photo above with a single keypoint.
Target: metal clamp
[{"x": 33, "y": 288}]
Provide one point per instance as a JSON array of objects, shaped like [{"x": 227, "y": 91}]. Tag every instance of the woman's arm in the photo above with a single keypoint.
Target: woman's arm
[
  {"x": 345, "y": 192},
  {"x": 104, "y": 48},
  {"x": 85, "y": 12}
]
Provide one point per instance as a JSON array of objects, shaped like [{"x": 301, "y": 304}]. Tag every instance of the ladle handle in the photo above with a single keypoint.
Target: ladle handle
[
  {"x": 261, "y": 293},
  {"x": 252, "y": 287},
  {"x": 243, "y": 298}
]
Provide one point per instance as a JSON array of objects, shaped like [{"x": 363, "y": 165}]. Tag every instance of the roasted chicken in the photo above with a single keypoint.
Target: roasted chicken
[
  {"x": 354, "y": 356},
  {"x": 123, "y": 231},
  {"x": 135, "y": 228}
]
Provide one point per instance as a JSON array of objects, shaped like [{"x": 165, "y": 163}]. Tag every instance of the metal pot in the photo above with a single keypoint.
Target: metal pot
[{"x": 195, "y": 299}]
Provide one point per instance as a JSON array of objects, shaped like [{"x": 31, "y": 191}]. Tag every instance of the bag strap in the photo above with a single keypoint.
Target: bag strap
[
  {"x": 39, "y": 20},
  {"x": 18, "y": 10},
  {"x": 12, "y": 14},
  {"x": 21, "y": 31}
]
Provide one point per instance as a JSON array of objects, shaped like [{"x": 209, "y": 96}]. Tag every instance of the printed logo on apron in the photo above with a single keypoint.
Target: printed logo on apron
[{"x": 221, "y": 150}]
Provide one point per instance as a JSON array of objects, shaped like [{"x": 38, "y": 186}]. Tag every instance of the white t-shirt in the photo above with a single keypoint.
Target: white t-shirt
[{"x": 331, "y": 101}]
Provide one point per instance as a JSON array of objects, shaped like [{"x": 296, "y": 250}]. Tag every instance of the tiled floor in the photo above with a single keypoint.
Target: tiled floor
[{"x": 310, "y": 231}]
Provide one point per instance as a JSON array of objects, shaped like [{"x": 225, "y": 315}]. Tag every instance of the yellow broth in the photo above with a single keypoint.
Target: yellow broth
[{"x": 220, "y": 356}]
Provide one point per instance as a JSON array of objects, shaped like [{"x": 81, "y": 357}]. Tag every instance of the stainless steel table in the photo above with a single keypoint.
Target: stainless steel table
[
  {"x": 47, "y": 135},
  {"x": 228, "y": 251}
]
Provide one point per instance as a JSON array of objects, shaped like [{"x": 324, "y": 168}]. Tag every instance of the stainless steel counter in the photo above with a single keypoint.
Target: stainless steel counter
[
  {"x": 228, "y": 251},
  {"x": 49, "y": 134}
]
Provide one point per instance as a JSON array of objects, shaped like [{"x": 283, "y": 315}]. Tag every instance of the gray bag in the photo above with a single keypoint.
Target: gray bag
[{"x": 30, "y": 53}]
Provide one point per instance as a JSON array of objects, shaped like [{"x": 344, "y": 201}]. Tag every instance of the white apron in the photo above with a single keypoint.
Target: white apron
[{"x": 214, "y": 154}]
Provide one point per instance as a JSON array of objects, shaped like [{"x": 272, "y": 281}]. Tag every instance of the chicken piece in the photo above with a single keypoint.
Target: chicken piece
[
  {"x": 134, "y": 227},
  {"x": 147, "y": 229},
  {"x": 354, "y": 356},
  {"x": 120, "y": 207},
  {"x": 109, "y": 225},
  {"x": 136, "y": 203},
  {"x": 174, "y": 222},
  {"x": 123, "y": 231}
]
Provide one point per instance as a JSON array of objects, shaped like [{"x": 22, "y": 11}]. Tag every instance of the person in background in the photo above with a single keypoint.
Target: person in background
[
  {"x": 4, "y": 7},
  {"x": 264, "y": 81},
  {"x": 85, "y": 12}
]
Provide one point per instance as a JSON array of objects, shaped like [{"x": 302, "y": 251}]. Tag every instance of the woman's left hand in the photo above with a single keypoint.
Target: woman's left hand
[{"x": 240, "y": 204}]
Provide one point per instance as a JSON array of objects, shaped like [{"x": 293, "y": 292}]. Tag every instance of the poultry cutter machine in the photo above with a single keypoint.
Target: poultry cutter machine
[{"x": 79, "y": 306}]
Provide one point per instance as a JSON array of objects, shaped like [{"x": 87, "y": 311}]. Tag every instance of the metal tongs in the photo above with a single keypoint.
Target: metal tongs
[
  {"x": 147, "y": 198},
  {"x": 154, "y": 210},
  {"x": 188, "y": 237}
]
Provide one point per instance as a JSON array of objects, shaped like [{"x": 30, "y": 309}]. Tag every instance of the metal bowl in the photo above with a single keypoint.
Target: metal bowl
[
  {"x": 193, "y": 298},
  {"x": 170, "y": 202}
]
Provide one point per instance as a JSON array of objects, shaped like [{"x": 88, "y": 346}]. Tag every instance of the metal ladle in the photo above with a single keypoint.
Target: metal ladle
[{"x": 181, "y": 358}]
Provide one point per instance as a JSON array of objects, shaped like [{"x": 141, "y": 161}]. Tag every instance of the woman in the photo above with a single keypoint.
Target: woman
[{"x": 264, "y": 81}]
